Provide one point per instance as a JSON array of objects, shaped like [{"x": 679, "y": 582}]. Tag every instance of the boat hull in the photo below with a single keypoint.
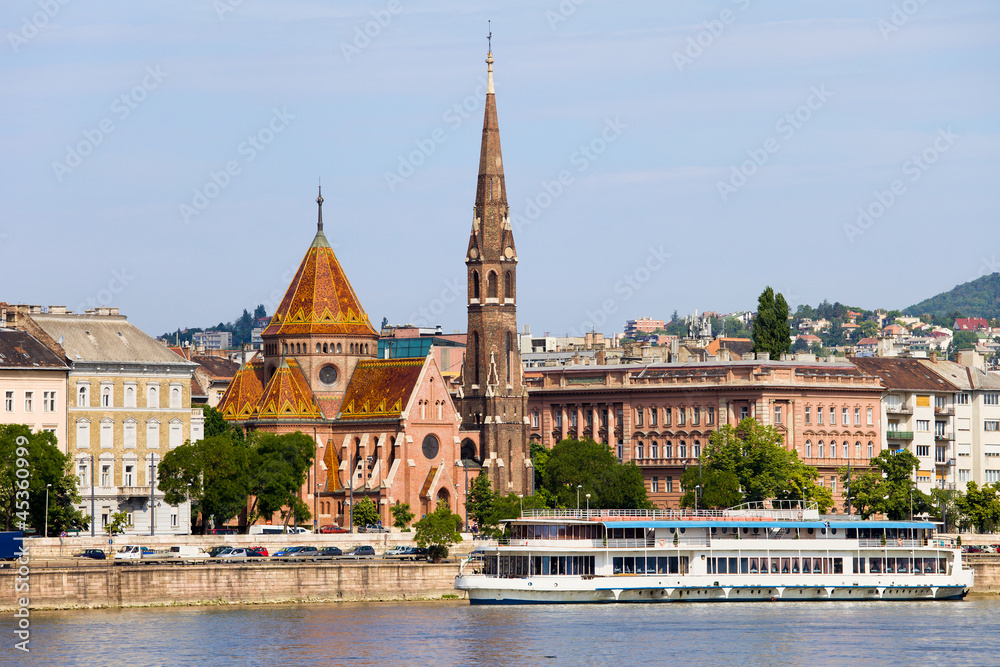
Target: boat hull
[{"x": 609, "y": 590}]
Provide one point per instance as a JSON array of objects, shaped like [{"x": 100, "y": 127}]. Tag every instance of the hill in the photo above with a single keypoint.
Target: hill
[{"x": 978, "y": 298}]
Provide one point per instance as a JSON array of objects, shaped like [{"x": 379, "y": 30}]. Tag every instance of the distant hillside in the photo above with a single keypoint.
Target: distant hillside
[{"x": 979, "y": 298}]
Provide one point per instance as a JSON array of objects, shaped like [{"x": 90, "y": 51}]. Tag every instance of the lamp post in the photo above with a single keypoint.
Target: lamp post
[
  {"x": 578, "y": 487},
  {"x": 521, "y": 499},
  {"x": 92, "y": 517},
  {"x": 152, "y": 500},
  {"x": 697, "y": 497},
  {"x": 465, "y": 500},
  {"x": 588, "y": 504},
  {"x": 47, "y": 487}
]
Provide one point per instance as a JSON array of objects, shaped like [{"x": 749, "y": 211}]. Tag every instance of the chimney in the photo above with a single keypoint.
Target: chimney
[
  {"x": 933, "y": 357},
  {"x": 57, "y": 310}
]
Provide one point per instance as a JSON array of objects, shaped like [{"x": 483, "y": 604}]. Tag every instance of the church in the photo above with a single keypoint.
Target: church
[{"x": 389, "y": 429}]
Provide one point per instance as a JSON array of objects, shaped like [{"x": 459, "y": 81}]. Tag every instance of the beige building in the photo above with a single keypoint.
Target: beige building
[
  {"x": 128, "y": 402},
  {"x": 32, "y": 384}
]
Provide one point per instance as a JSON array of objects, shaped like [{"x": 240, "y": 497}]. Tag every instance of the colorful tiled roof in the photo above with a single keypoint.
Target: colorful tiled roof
[
  {"x": 287, "y": 395},
  {"x": 320, "y": 299},
  {"x": 380, "y": 388},
  {"x": 243, "y": 393}
]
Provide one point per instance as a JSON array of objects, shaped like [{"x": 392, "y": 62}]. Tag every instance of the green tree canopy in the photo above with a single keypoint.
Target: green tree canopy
[
  {"x": 213, "y": 473},
  {"x": 439, "y": 529},
  {"x": 749, "y": 462},
  {"x": 365, "y": 513},
  {"x": 278, "y": 465},
  {"x": 594, "y": 467},
  {"x": 39, "y": 455},
  {"x": 401, "y": 515},
  {"x": 981, "y": 506},
  {"x": 887, "y": 487},
  {"x": 771, "y": 332}
]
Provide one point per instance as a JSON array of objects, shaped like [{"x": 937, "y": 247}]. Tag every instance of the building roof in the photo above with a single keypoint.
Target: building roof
[
  {"x": 380, "y": 388},
  {"x": 320, "y": 298},
  {"x": 217, "y": 368},
  {"x": 287, "y": 395},
  {"x": 906, "y": 374},
  {"x": 868, "y": 341},
  {"x": 197, "y": 389},
  {"x": 105, "y": 338},
  {"x": 243, "y": 393},
  {"x": 963, "y": 377},
  {"x": 19, "y": 349},
  {"x": 738, "y": 346},
  {"x": 971, "y": 323}
]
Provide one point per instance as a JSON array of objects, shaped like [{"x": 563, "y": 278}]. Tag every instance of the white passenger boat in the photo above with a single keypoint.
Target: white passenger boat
[{"x": 765, "y": 551}]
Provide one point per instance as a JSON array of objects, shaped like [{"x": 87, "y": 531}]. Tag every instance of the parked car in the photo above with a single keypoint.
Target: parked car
[
  {"x": 257, "y": 552},
  {"x": 238, "y": 553},
  {"x": 96, "y": 554},
  {"x": 395, "y": 552},
  {"x": 329, "y": 553},
  {"x": 305, "y": 553},
  {"x": 262, "y": 550},
  {"x": 361, "y": 551},
  {"x": 224, "y": 531},
  {"x": 287, "y": 551},
  {"x": 332, "y": 528},
  {"x": 186, "y": 551},
  {"x": 215, "y": 551},
  {"x": 370, "y": 528},
  {"x": 406, "y": 553}
]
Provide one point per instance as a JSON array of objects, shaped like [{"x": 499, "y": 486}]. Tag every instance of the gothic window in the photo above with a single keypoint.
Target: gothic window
[
  {"x": 508, "y": 286},
  {"x": 339, "y": 349},
  {"x": 475, "y": 284},
  {"x": 475, "y": 356},
  {"x": 510, "y": 355},
  {"x": 83, "y": 397},
  {"x": 491, "y": 285}
]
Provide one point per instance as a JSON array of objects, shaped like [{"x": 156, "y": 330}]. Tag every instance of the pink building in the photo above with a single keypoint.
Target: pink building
[{"x": 661, "y": 415}]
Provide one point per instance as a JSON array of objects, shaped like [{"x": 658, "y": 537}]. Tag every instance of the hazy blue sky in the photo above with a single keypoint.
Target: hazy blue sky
[{"x": 705, "y": 149}]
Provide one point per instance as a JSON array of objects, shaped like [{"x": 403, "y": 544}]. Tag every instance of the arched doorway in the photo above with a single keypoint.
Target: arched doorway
[{"x": 443, "y": 497}]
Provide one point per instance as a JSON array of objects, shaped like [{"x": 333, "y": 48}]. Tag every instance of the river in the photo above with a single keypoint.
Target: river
[{"x": 454, "y": 633}]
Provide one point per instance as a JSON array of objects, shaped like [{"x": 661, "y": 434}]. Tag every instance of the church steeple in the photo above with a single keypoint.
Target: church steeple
[{"x": 494, "y": 398}]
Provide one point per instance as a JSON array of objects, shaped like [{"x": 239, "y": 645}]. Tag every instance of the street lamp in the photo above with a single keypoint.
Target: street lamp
[
  {"x": 588, "y": 504},
  {"x": 47, "y": 487},
  {"x": 697, "y": 497},
  {"x": 578, "y": 487},
  {"x": 521, "y": 499}
]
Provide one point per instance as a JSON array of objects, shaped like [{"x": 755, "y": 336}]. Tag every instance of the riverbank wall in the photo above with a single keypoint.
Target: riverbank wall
[{"x": 139, "y": 585}]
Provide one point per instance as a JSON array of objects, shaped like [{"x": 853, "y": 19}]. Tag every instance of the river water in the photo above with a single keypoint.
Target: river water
[{"x": 454, "y": 633}]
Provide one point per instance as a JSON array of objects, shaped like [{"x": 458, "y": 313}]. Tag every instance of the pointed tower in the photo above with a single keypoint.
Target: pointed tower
[
  {"x": 494, "y": 398},
  {"x": 321, "y": 324}
]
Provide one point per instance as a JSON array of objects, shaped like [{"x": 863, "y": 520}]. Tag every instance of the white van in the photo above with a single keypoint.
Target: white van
[
  {"x": 184, "y": 551},
  {"x": 276, "y": 530}
]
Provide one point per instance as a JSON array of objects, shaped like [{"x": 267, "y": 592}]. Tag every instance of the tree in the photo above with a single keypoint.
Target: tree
[
  {"x": 750, "y": 463},
  {"x": 869, "y": 329},
  {"x": 401, "y": 515},
  {"x": 438, "y": 530},
  {"x": 278, "y": 467},
  {"x": 117, "y": 523},
  {"x": 980, "y": 506},
  {"x": 944, "y": 507},
  {"x": 480, "y": 503},
  {"x": 887, "y": 488},
  {"x": 594, "y": 467},
  {"x": 771, "y": 332},
  {"x": 365, "y": 513},
  {"x": 963, "y": 340},
  {"x": 22, "y": 496},
  {"x": 212, "y": 473}
]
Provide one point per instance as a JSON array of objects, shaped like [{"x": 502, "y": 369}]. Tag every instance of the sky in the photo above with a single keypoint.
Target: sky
[{"x": 163, "y": 157}]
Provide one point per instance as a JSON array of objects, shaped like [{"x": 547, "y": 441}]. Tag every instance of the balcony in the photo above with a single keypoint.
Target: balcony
[
  {"x": 944, "y": 436},
  {"x": 900, "y": 409},
  {"x": 899, "y": 435},
  {"x": 945, "y": 410},
  {"x": 137, "y": 492},
  {"x": 945, "y": 463}
]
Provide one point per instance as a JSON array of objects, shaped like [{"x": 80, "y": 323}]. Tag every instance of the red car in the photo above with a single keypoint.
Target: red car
[
  {"x": 333, "y": 529},
  {"x": 258, "y": 551}
]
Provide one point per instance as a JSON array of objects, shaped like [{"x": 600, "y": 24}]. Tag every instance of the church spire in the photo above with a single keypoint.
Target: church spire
[{"x": 319, "y": 202}]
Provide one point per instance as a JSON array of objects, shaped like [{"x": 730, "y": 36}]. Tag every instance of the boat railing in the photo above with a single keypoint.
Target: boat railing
[
  {"x": 657, "y": 514},
  {"x": 878, "y": 543}
]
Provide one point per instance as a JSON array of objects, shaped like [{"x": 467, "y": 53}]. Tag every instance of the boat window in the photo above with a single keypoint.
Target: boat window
[
  {"x": 713, "y": 530},
  {"x": 562, "y": 532},
  {"x": 672, "y": 531},
  {"x": 744, "y": 566},
  {"x": 640, "y": 565},
  {"x": 817, "y": 566},
  {"x": 724, "y": 529},
  {"x": 795, "y": 566},
  {"x": 785, "y": 565},
  {"x": 833, "y": 530},
  {"x": 756, "y": 531},
  {"x": 810, "y": 531},
  {"x": 774, "y": 566},
  {"x": 682, "y": 530},
  {"x": 650, "y": 565},
  {"x": 822, "y": 531},
  {"x": 838, "y": 565}
]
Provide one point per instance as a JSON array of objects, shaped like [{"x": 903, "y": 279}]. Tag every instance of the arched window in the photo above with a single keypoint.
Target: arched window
[
  {"x": 682, "y": 450},
  {"x": 668, "y": 450},
  {"x": 491, "y": 285},
  {"x": 819, "y": 449},
  {"x": 83, "y": 396},
  {"x": 847, "y": 453},
  {"x": 475, "y": 284},
  {"x": 508, "y": 286},
  {"x": 654, "y": 450},
  {"x": 324, "y": 348},
  {"x": 475, "y": 356},
  {"x": 871, "y": 450},
  {"x": 319, "y": 348},
  {"x": 833, "y": 449},
  {"x": 857, "y": 450},
  {"x": 510, "y": 355},
  {"x": 809, "y": 449},
  {"x": 640, "y": 450}
]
